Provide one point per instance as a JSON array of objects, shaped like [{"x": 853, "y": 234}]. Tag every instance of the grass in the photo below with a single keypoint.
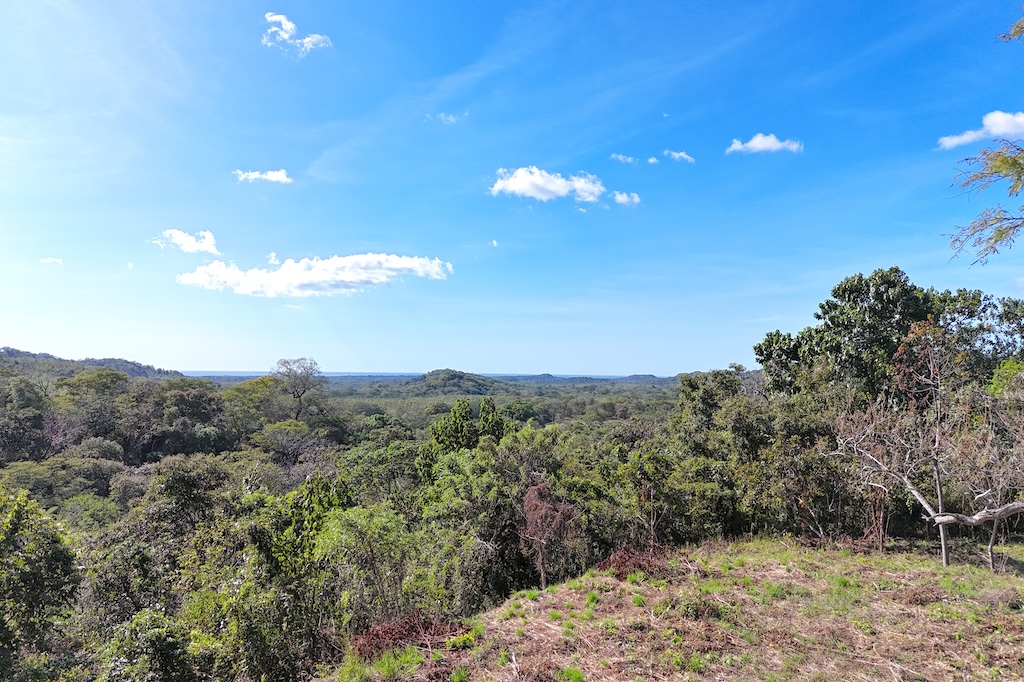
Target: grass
[{"x": 765, "y": 610}]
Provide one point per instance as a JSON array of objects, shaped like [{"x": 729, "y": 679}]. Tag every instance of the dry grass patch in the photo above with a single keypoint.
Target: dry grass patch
[{"x": 762, "y": 610}]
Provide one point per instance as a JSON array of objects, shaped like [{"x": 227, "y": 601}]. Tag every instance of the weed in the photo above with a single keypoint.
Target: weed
[
  {"x": 701, "y": 608},
  {"x": 570, "y": 675},
  {"x": 398, "y": 665},
  {"x": 593, "y": 598},
  {"x": 352, "y": 670},
  {"x": 663, "y": 607},
  {"x": 711, "y": 586},
  {"x": 555, "y": 615},
  {"x": 464, "y": 641},
  {"x": 864, "y": 626},
  {"x": 635, "y": 578},
  {"x": 696, "y": 664},
  {"x": 503, "y": 658},
  {"x": 532, "y": 594},
  {"x": 459, "y": 674},
  {"x": 639, "y": 600}
]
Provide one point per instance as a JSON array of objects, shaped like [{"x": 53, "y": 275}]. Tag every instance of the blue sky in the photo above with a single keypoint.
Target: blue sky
[{"x": 591, "y": 188}]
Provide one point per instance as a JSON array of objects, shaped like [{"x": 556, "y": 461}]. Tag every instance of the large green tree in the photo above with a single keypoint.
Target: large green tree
[{"x": 866, "y": 319}]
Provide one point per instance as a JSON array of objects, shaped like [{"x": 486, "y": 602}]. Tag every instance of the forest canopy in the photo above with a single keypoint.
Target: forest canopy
[{"x": 157, "y": 526}]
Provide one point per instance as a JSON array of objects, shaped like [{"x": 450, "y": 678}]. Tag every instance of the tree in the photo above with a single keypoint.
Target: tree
[
  {"x": 866, "y": 319},
  {"x": 21, "y": 419},
  {"x": 299, "y": 377},
  {"x": 37, "y": 575},
  {"x": 942, "y": 433},
  {"x": 149, "y": 647},
  {"x": 861, "y": 326},
  {"x": 995, "y": 228},
  {"x": 546, "y": 524}
]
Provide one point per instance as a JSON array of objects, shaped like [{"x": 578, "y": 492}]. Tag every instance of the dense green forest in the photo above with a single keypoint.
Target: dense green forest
[{"x": 155, "y": 526}]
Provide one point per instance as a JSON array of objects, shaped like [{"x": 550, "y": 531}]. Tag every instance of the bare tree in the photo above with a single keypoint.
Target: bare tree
[
  {"x": 955, "y": 440},
  {"x": 547, "y": 522},
  {"x": 298, "y": 378}
]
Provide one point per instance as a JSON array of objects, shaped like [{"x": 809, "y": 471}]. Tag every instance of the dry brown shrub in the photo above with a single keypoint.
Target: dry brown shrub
[
  {"x": 1008, "y": 597},
  {"x": 415, "y": 629},
  {"x": 920, "y": 595},
  {"x": 626, "y": 560}
]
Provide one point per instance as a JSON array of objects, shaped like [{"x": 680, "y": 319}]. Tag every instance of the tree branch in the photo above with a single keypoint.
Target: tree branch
[{"x": 982, "y": 517}]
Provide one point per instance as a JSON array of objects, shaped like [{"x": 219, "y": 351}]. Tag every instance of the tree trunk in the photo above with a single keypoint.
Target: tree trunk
[
  {"x": 991, "y": 544},
  {"x": 943, "y": 535}
]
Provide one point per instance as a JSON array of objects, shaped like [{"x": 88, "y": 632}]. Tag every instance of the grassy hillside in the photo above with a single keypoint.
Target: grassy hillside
[{"x": 763, "y": 610}]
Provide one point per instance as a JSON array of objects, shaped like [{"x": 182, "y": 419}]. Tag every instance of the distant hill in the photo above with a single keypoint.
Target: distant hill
[
  {"x": 453, "y": 382},
  {"x": 46, "y": 366}
]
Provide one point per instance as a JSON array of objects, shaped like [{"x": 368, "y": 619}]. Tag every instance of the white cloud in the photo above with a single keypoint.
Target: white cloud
[
  {"x": 280, "y": 176},
  {"x": 623, "y": 158},
  {"x": 315, "y": 276},
  {"x": 131, "y": 265},
  {"x": 626, "y": 199},
  {"x": 765, "y": 143},
  {"x": 652, "y": 159},
  {"x": 679, "y": 156},
  {"x": 51, "y": 261},
  {"x": 283, "y": 36},
  {"x": 200, "y": 241},
  {"x": 272, "y": 258},
  {"x": 447, "y": 119},
  {"x": 494, "y": 243},
  {"x": 993, "y": 124},
  {"x": 537, "y": 184}
]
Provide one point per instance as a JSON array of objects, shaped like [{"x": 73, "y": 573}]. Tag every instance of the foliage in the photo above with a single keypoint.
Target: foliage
[
  {"x": 271, "y": 528},
  {"x": 996, "y": 228},
  {"x": 149, "y": 647},
  {"x": 38, "y": 577}
]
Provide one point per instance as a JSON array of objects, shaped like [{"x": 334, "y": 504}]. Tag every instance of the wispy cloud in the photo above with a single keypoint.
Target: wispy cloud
[
  {"x": 993, "y": 124},
  {"x": 626, "y": 199},
  {"x": 535, "y": 183},
  {"x": 447, "y": 119},
  {"x": 765, "y": 143},
  {"x": 679, "y": 156},
  {"x": 199, "y": 242},
  {"x": 52, "y": 261},
  {"x": 315, "y": 276},
  {"x": 652, "y": 159},
  {"x": 280, "y": 176},
  {"x": 622, "y": 158},
  {"x": 283, "y": 36}
]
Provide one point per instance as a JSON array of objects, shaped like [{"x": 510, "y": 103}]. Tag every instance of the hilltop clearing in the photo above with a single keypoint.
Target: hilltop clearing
[{"x": 762, "y": 610}]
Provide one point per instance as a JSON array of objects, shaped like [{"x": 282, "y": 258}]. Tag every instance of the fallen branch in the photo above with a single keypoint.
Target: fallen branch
[{"x": 984, "y": 516}]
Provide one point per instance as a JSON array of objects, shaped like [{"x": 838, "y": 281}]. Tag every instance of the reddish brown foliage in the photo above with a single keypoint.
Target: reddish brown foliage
[
  {"x": 415, "y": 629},
  {"x": 548, "y": 521},
  {"x": 626, "y": 560}
]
